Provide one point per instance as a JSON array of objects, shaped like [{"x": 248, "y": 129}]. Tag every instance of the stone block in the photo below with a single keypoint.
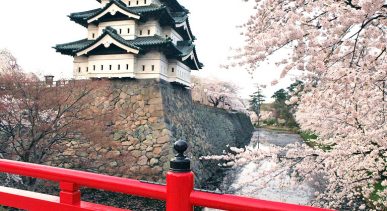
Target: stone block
[
  {"x": 136, "y": 153},
  {"x": 142, "y": 161},
  {"x": 157, "y": 151},
  {"x": 153, "y": 161},
  {"x": 163, "y": 139}
]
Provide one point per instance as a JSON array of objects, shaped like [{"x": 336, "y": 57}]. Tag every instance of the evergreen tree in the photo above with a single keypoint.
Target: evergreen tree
[{"x": 257, "y": 98}]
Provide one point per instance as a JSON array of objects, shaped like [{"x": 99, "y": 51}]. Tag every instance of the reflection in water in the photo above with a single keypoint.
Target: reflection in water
[{"x": 275, "y": 186}]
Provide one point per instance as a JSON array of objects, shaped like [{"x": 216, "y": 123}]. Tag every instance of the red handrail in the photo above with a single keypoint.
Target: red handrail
[
  {"x": 178, "y": 193},
  {"x": 104, "y": 182}
]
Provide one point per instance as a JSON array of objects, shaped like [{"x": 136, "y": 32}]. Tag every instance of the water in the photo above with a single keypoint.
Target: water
[{"x": 276, "y": 186}]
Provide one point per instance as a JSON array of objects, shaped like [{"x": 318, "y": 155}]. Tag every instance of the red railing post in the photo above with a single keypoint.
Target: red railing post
[
  {"x": 69, "y": 193},
  {"x": 180, "y": 181}
]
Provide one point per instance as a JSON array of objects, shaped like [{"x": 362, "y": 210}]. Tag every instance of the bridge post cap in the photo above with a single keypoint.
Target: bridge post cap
[
  {"x": 180, "y": 146},
  {"x": 180, "y": 163}
]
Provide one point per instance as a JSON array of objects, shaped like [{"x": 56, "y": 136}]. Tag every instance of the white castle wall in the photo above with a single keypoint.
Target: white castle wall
[
  {"x": 104, "y": 66},
  {"x": 129, "y": 30},
  {"x": 179, "y": 72},
  {"x": 150, "y": 28},
  {"x": 151, "y": 65},
  {"x": 126, "y": 28},
  {"x": 168, "y": 31}
]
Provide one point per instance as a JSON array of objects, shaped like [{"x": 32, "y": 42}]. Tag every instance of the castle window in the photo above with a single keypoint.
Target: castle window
[
  {"x": 119, "y": 67},
  {"x": 153, "y": 68},
  {"x": 87, "y": 69},
  {"x": 120, "y": 31},
  {"x": 128, "y": 30},
  {"x": 149, "y": 32},
  {"x": 137, "y": 2},
  {"x": 173, "y": 69},
  {"x": 101, "y": 67},
  {"x": 143, "y": 68},
  {"x": 140, "y": 32},
  {"x": 93, "y": 67},
  {"x": 127, "y": 67},
  {"x": 93, "y": 35},
  {"x": 110, "y": 67},
  {"x": 144, "y": 1},
  {"x": 79, "y": 69},
  {"x": 129, "y": 3}
]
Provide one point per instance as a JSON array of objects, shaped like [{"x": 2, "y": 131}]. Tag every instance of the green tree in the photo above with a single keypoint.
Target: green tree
[
  {"x": 282, "y": 109},
  {"x": 257, "y": 98}
]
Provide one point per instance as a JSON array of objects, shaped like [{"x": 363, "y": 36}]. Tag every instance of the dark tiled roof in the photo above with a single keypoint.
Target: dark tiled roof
[
  {"x": 173, "y": 4},
  {"x": 119, "y": 3},
  {"x": 69, "y": 48},
  {"x": 153, "y": 40},
  {"x": 74, "y": 47},
  {"x": 84, "y": 14},
  {"x": 143, "y": 11},
  {"x": 141, "y": 42},
  {"x": 185, "y": 47}
]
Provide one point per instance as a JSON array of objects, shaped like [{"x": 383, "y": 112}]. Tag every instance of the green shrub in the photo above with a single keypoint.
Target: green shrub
[{"x": 269, "y": 122}]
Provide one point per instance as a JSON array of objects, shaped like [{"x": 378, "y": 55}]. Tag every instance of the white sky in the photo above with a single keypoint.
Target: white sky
[{"x": 31, "y": 28}]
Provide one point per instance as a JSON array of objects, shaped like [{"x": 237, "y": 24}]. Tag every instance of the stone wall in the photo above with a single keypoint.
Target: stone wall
[{"x": 149, "y": 116}]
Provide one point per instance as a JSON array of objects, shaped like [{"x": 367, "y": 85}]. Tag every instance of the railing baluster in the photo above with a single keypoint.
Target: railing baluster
[
  {"x": 180, "y": 181},
  {"x": 69, "y": 193}
]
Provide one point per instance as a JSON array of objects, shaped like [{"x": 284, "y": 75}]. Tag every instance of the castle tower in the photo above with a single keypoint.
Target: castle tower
[{"x": 140, "y": 39}]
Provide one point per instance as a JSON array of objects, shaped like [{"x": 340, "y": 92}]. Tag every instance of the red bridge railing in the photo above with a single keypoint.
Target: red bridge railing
[{"x": 179, "y": 192}]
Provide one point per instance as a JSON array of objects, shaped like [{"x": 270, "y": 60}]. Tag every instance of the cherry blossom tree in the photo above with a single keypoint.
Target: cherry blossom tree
[
  {"x": 340, "y": 49},
  {"x": 217, "y": 93},
  {"x": 7, "y": 61},
  {"x": 36, "y": 117}
]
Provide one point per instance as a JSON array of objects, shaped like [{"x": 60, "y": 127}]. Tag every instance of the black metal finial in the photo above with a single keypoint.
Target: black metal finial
[{"x": 180, "y": 163}]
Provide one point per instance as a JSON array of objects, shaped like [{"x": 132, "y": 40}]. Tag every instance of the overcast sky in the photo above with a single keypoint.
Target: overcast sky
[{"x": 31, "y": 28}]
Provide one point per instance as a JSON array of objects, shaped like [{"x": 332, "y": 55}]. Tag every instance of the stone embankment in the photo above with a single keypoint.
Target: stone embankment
[{"x": 149, "y": 116}]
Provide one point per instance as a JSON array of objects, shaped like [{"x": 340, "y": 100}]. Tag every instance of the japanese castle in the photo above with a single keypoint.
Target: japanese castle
[{"x": 140, "y": 39}]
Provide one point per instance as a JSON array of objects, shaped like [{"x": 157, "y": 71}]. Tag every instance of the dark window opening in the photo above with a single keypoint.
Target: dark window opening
[
  {"x": 93, "y": 67},
  {"x": 93, "y": 35},
  {"x": 140, "y": 32},
  {"x": 110, "y": 67},
  {"x": 79, "y": 69},
  {"x": 127, "y": 67},
  {"x": 137, "y": 2},
  {"x": 119, "y": 67},
  {"x": 101, "y": 67},
  {"x": 143, "y": 68},
  {"x": 153, "y": 68},
  {"x": 120, "y": 31},
  {"x": 173, "y": 69},
  {"x": 144, "y": 1},
  {"x": 129, "y": 3},
  {"x": 87, "y": 69},
  {"x": 128, "y": 31},
  {"x": 148, "y": 32}
]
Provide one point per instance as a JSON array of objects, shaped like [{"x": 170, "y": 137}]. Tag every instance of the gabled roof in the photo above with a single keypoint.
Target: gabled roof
[
  {"x": 179, "y": 20},
  {"x": 74, "y": 48},
  {"x": 122, "y": 8},
  {"x": 143, "y": 11},
  {"x": 184, "y": 50}
]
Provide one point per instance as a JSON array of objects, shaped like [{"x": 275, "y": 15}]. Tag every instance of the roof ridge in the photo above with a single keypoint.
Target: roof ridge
[{"x": 71, "y": 43}]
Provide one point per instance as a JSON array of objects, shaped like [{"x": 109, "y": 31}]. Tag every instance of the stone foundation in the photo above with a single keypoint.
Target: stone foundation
[{"x": 149, "y": 116}]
